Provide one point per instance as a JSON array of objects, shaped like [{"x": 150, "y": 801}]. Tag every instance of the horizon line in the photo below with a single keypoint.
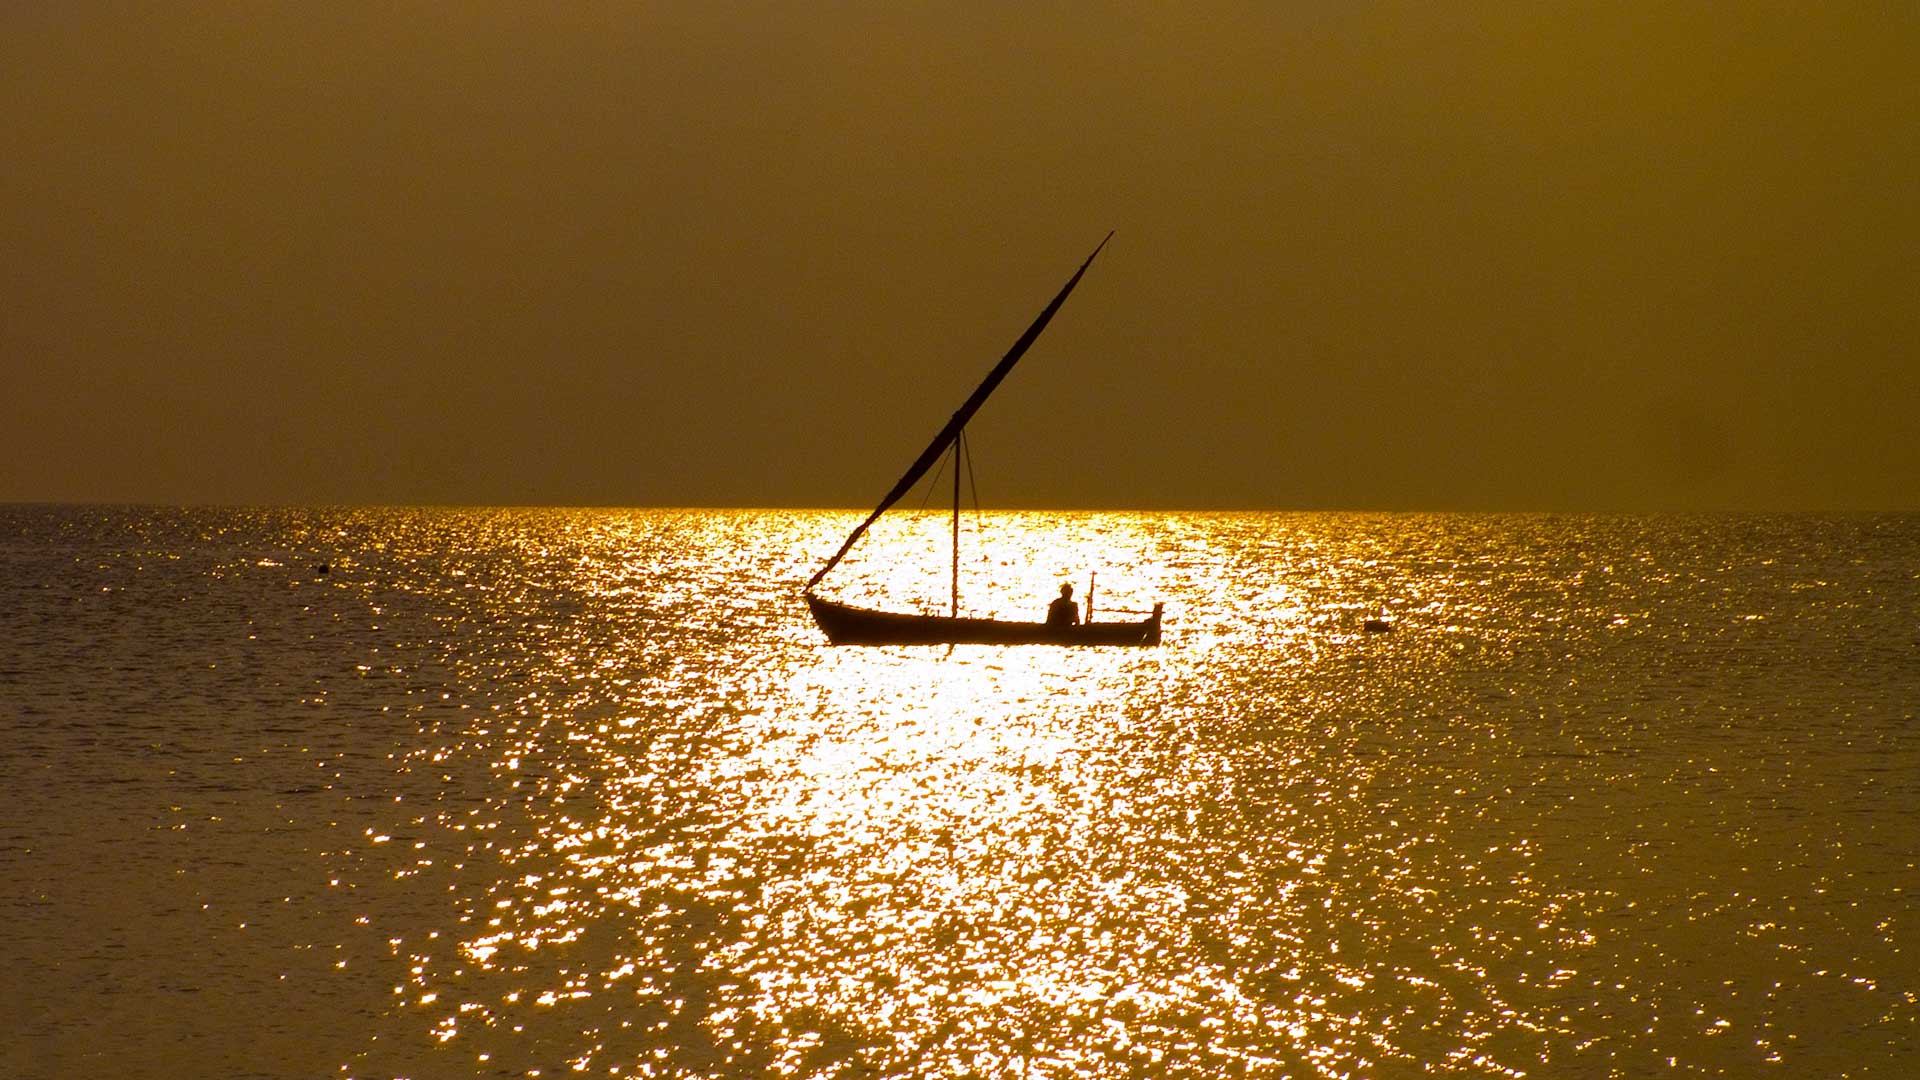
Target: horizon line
[{"x": 944, "y": 511}]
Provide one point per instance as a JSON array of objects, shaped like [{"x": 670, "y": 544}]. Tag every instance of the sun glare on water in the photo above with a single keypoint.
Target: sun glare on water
[{"x": 669, "y": 830}]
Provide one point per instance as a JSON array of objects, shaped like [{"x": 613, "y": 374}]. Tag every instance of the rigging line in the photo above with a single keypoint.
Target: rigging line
[
  {"x": 974, "y": 489},
  {"x": 939, "y": 470},
  {"x": 971, "y": 486}
]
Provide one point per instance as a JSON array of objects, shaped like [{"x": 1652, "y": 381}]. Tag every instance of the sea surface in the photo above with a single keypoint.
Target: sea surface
[{"x": 584, "y": 793}]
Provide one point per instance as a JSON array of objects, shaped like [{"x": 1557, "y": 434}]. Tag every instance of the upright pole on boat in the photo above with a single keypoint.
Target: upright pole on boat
[
  {"x": 959, "y": 448},
  {"x": 1092, "y": 576}
]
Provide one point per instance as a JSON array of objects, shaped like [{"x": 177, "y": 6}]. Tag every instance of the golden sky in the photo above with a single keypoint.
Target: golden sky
[{"x": 1401, "y": 256}]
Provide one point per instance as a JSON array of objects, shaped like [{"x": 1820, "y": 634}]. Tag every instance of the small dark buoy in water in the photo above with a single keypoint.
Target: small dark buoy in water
[{"x": 322, "y": 569}]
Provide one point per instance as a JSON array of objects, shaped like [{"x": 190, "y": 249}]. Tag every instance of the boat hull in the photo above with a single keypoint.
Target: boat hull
[{"x": 847, "y": 625}]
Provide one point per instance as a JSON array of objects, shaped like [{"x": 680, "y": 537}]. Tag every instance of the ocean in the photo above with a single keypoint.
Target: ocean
[{"x": 479, "y": 793}]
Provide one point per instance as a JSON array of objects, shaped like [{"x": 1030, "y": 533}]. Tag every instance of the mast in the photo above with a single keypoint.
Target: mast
[
  {"x": 949, "y": 434},
  {"x": 959, "y": 451}
]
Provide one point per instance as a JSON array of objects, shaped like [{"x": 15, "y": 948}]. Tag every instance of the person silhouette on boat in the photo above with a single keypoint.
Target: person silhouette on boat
[{"x": 1063, "y": 611}]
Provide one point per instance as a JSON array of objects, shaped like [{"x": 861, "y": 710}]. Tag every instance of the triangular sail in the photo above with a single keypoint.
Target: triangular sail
[{"x": 961, "y": 415}]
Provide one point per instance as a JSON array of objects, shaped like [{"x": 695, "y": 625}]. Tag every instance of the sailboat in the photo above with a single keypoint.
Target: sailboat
[{"x": 845, "y": 624}]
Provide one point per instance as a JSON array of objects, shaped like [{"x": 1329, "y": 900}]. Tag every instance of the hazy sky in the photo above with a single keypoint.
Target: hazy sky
[{"x": 1421, "y": 256}]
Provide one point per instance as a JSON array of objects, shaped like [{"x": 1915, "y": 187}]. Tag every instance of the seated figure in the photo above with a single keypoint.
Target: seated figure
[{"x": 1063, "y": 611}]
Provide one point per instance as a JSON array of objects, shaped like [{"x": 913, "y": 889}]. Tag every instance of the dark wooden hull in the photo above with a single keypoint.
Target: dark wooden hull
[{"x": 847, "y": 625}]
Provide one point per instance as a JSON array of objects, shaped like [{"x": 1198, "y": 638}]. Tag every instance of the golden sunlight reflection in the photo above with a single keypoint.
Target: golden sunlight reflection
[{"x": 665, "y": 830}]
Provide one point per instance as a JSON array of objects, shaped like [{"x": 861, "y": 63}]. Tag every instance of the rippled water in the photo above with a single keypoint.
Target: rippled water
[{"x": 563, "y": 793}]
